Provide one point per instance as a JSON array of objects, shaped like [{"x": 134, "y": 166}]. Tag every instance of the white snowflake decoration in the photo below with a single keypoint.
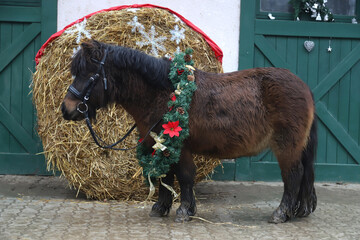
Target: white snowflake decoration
[
  {"x": 177, "y": 34},
  {"x": 151, "y": 39},
  {"x": 80, "y": 30},
  {"x": 134, "y": 10},
  {"x": 75, "y": 50},
  {"x": 136, "y": 25},
  {"x": 177, "y": 19}
]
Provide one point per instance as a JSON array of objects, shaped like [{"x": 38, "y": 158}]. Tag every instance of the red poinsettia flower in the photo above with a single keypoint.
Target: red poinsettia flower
[{"x": 172, "y": 128}]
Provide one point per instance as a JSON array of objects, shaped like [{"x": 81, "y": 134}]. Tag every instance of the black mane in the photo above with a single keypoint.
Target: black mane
[{"x": 153, "y": 70}]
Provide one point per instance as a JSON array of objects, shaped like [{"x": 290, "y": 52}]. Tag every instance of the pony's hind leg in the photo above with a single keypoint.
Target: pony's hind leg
[
  {"x": 307, "y": 196},
  {"x": 185, "y": 173},
  {"x": 162, "y": 207},
  {"x": 292, "y": 175},
  {"x": 297, "y": 171}
]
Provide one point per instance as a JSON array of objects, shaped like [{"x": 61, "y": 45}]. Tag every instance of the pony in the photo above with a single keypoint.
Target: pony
[{"x": 231, "y": 115}]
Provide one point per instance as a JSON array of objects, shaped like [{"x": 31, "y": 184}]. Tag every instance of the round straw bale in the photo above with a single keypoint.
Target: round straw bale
[{"x": 68, "y": 146}]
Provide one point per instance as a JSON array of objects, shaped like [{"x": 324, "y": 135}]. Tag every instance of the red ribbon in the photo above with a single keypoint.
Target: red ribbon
[{"x": 180, "y": 71}]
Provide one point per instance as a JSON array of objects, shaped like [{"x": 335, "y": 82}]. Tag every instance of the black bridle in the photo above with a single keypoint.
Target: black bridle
[{"x": 83, "y": 108}]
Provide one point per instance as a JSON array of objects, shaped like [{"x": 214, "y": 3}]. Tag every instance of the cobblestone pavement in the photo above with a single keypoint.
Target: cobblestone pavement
[{"x": 43, "y": 208}]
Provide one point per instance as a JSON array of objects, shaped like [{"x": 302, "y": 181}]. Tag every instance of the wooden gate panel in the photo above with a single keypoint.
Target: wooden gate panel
[
  {"x": 332, "y": 76},
  {"x": 329, "y": 75},
  {"x": 24, "y": 26},
  {"x": 5, "y": 76}
]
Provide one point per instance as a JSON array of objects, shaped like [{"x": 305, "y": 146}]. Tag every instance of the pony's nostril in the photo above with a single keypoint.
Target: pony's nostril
[{"x": 63, "y": 110}]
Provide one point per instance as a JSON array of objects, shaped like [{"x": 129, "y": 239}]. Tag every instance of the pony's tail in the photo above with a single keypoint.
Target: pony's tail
[{"x": 307, "y": 199}]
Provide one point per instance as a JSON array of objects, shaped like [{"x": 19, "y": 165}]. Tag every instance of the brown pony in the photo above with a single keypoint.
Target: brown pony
[{"x": 231, "y": 115}]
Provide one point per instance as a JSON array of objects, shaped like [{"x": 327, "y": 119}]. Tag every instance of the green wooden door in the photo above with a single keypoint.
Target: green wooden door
[
  {"x": 333, "y": 76},
  {"x": 24, "y": 26}
]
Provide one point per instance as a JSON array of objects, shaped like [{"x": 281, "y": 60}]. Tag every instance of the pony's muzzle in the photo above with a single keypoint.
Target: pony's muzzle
[{"x": 71, "y": 114}]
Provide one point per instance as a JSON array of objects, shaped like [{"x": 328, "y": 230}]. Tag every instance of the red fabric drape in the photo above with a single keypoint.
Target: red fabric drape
[{"x": 214, "y": 47}]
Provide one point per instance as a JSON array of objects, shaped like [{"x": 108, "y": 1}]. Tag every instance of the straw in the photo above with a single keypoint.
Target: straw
[{"x": 68, "y": 146}]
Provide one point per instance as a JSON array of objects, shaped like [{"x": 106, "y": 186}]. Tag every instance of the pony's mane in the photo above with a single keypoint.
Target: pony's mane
[{"x": 153, "y": 70}]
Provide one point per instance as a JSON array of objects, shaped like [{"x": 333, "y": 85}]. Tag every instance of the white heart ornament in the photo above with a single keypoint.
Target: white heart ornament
[{"x": 309, "y": 45}]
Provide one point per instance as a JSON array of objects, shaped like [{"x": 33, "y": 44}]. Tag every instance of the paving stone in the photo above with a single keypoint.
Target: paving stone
[{"x": 226, "y": 210}]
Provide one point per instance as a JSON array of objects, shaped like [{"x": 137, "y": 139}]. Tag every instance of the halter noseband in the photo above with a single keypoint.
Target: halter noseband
[{"x": 83, "y": 108}]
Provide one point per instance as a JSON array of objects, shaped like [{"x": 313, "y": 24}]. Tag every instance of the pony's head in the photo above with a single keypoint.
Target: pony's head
[
  {"x": 87, "y": 92},
  {"x": 105, "y": 73}
]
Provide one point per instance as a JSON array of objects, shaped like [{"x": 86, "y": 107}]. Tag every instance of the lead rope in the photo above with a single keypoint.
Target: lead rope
[{"x": 97, "y": 139}]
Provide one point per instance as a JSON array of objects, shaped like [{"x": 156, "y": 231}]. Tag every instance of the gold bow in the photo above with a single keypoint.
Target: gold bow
[
  {"x": 178, "y": 89},
  {"x": 191, "y": 68},
  {"x": 159, "y": 140}
]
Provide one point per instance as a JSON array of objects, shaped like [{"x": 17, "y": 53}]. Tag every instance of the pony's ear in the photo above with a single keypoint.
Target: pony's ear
[
  {"x": 88, "y": 47},
  {"x": 91, "y": 48}
]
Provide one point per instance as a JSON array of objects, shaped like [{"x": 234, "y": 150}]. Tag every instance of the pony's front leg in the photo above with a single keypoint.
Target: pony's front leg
[
  {"x": 185, "y": 172},
  {"x": 162, "y": 207}
]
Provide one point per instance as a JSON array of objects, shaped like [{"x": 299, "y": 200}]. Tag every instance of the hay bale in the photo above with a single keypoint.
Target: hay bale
[{"x": 68, "y": 146}]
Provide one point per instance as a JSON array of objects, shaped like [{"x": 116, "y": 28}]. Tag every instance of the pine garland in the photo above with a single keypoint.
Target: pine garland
[
  {"x": 315, "y": 8},
  {"x": 169, "y": 141}
]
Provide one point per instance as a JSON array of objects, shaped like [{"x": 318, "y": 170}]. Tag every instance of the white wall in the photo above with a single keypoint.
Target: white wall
[{"x": 219, "y": 19}]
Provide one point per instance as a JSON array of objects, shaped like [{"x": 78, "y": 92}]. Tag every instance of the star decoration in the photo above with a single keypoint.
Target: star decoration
[
  {"x": 135, "y": 24},
  {"x": 80, "y": 30},
  {"x": 151, "y": 39},
  {"x": 177, "y": 34}
]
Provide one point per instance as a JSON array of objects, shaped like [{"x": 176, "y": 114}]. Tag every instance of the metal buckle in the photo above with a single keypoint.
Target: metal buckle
[{"x": 82, "y": 107}]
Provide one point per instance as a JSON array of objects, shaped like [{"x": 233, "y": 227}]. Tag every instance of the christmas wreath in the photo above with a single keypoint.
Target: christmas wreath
[
  {"x": 169, "y": 142},
  {"x": 315, "y": 8}
]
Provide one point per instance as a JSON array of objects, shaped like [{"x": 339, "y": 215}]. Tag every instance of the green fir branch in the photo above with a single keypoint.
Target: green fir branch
[{"x": 158, "y": 164}]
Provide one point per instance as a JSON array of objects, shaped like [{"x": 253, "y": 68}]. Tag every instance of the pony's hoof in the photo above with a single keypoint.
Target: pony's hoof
[
  {"x": 303, "y": 211},
  {"x": 159, "y": 210},
  {"x": 278, "y": 216},
  {"x": 306, "y": 207},
  {"x": 183, "y": 215}
]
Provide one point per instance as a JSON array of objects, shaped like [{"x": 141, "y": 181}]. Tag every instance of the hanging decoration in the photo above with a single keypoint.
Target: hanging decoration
[
  {"x": 169, "y": 142},
  {"x": 329, "y": 49},
  {"x": 316, "y": 9},
  {"x": 309, "y": 45},
  {"x": 271, "y": 17}
]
